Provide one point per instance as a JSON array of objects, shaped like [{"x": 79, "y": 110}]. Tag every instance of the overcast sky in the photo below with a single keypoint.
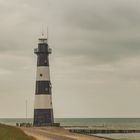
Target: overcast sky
[{"x": 95, "y": 64}]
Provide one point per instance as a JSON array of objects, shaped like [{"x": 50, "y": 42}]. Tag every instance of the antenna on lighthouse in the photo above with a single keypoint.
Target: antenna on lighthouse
[
  {"x": 42, "y": 32},
  {"x": 47, "y": 33}
]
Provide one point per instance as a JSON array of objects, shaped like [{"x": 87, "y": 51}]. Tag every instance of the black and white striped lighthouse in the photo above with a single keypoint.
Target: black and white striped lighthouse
[{"x": 43, "y": 111}]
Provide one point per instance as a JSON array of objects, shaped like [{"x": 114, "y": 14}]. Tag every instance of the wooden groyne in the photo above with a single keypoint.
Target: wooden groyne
[{"x": 102, "y": 131}]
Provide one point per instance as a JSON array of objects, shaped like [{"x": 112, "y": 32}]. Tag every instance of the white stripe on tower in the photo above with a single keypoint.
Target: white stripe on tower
[
  {"x": 43, "y": 73},
  {"x": 43, "y": 102}
]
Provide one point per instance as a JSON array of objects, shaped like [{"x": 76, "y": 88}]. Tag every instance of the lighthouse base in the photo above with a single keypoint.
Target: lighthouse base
[{"x": 43, "y": 117}]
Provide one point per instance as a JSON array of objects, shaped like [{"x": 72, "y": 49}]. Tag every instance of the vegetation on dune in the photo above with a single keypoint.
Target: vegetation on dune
[{"x": 13, "y": 133}]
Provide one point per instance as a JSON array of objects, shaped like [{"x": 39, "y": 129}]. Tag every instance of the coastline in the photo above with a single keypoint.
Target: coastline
[
  {"x": 95, "y": 123},
  {"x": 56, "y": 133}
]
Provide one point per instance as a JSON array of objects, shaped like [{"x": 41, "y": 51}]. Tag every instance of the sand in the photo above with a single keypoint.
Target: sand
[{"x": 55, "y": 133}]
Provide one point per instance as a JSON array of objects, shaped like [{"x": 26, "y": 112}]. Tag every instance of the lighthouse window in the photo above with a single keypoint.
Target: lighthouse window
[{"x": 41, "y": 75}]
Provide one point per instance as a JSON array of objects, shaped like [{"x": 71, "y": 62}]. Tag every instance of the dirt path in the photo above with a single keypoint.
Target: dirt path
[{"x": 53, "y": 133}]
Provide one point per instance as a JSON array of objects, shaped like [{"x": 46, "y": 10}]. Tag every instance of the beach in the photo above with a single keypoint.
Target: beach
[
  {"x": 105, "y": 123},
  {"x": 56, "y": 133}
]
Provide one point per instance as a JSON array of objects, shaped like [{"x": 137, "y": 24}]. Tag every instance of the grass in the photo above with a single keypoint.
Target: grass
[{"x": 13, "y": 133}]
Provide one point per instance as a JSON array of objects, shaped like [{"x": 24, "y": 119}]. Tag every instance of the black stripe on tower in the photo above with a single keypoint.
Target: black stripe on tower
[
  {"x": 42, "y": 55},
  {"x": 42, "y": 60},
  {"x": 40, "y": 116},
  {"x": 43, "y": 48},
  {"x": 43, "y": 87}
]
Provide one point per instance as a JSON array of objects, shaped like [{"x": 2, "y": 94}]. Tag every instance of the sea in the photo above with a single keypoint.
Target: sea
[{"x": 124, "y": 123}]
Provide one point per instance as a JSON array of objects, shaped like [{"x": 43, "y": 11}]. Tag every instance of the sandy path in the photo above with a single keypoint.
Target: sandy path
[{"x": 53, "y": 133}]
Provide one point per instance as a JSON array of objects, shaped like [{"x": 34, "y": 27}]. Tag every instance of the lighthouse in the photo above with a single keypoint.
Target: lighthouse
[{"x": 43, "y": 110}]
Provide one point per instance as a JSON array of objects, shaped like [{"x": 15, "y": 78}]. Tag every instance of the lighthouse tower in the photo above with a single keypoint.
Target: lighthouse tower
[{"x": 43, "y": 111}]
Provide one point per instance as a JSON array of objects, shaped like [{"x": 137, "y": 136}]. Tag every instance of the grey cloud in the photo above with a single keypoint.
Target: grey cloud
[{"x": 103, "y": 33}]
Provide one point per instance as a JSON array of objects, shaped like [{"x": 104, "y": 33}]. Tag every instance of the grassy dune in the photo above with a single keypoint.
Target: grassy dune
[{"x": 12, "y": 133}]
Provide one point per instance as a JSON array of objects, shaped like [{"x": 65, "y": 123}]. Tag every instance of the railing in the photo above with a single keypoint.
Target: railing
[
  {"x": 36, "y": 51},
  {"x": 49, "y": 50}
]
